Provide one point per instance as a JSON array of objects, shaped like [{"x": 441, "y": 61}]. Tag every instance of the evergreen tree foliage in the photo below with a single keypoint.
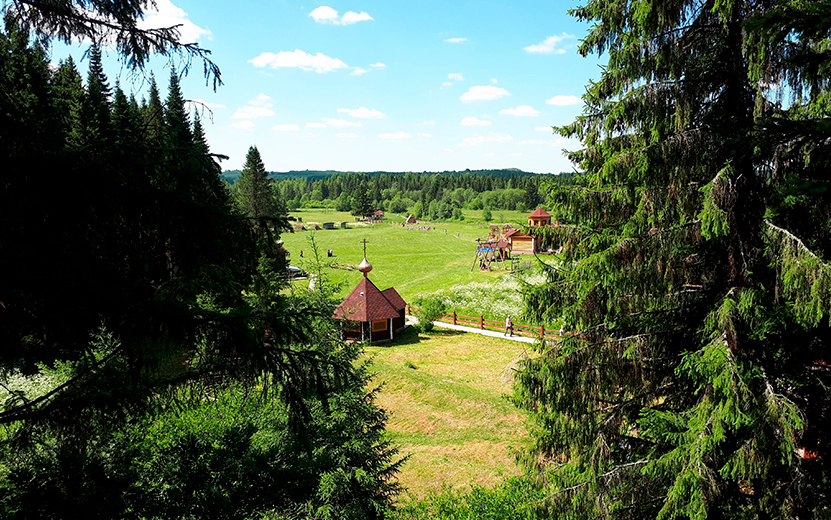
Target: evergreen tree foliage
[
  {"x": 361, "y": 202},
  {"x": 255, "y": 190},
  {"x": 68, "y": 89},
  {"x": 108, "y": 21},
  {"x": 95, "y": 111},
  {"x": 695, "y": 273},
  {"x": 142, "y": 294}
]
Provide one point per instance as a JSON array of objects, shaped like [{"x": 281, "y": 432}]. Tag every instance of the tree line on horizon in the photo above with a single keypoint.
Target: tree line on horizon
[{"x": 433, "y": 196}]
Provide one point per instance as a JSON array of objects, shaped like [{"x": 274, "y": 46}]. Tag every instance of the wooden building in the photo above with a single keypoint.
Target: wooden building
[
  {"x": 524, "y": 244},
  {"x": 371, "y": 315}
]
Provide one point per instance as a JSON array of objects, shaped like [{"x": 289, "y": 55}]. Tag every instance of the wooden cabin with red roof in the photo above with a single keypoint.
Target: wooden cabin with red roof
[
  {"x": 371, "y": 315},
  {"x": 523, "y": 244}
]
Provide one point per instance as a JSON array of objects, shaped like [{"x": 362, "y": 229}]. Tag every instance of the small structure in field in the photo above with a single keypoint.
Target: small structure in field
[
  {"x": 411, "y": 220},
  {"x": 328, "y": 225},
  {"x": 299, "y": 227},
  {"x": 343, "y": 225},
  {"x": 370, "y": 314},
  {"x": 524, "y": 244},
  {"x": 539, "y": 218}
]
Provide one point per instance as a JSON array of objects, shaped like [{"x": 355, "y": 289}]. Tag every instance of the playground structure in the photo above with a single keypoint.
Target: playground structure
[
  {"x": 504, "y": 243},
  {"x": 494, "y": 250}
]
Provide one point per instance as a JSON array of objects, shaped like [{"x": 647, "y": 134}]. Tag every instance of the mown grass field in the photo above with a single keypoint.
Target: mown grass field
[
  {"x": 411, "y": 261},
  {"x": 446, "y": 393}
]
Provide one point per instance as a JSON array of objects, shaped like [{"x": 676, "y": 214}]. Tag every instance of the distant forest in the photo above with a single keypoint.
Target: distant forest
[{"x": 433, "y": 195}]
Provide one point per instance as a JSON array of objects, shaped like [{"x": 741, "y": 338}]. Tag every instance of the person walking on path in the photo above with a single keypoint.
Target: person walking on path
[{"x": 509, "y": 326}]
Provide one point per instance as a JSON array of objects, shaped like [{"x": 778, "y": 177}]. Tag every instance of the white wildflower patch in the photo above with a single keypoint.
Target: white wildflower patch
[{"x": 494, "y": 300}]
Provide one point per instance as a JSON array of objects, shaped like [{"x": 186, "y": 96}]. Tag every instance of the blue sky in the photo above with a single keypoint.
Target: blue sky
[{"x": 358, "y": 85}]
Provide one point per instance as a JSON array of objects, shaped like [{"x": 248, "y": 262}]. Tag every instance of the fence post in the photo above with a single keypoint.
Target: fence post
[
  {"x": 481, "y": 322},
  {"x": 454, "y": 317},
  {"x": 542, "y": 330}
]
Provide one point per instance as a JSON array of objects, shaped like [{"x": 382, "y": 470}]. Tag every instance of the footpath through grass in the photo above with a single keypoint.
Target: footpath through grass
[{"x": 446, "y": 392}]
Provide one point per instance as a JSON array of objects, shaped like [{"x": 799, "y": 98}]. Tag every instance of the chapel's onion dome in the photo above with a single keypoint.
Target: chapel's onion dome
[{"x": 364, "y": 266}]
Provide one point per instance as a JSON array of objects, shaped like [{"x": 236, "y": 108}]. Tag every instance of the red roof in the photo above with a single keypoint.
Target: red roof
[
  {"x": 367, "y": 303},
  {"x": 538, "y": 213},
  {"x": 511, "y": 233}
]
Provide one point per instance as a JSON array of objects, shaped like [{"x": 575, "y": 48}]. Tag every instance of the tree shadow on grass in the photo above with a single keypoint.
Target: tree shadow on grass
[{"x": 412, "y": 336}]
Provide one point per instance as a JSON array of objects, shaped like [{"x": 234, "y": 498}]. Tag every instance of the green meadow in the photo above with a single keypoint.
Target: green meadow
[
  {"x": 446, "y": 395},
  {"x": 446, "y": 391},
  {"x": 413, "y": 262}
]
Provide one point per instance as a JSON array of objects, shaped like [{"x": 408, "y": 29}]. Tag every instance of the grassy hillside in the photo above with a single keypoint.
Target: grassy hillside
[{"x": 446, "y": 394}]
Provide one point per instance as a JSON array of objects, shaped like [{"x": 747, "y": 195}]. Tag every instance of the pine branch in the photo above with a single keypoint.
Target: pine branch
[
  {"x": 797, "y": 241},
  {"x": 17, "y": 414}
]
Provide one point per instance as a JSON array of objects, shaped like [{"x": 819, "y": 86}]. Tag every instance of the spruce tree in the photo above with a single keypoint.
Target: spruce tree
[
  {"x": 95, "y": 111},
  {"x": 255, "y": 193},
  {"x": 695, "y": 276},
  {"x": 68, "y": 89}
]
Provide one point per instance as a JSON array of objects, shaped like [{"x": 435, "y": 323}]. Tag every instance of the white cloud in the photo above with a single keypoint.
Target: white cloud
[
  {"x": 516, "y": 155},
  {"x": 340, "y": 123},
  {"x": 425, "y": 135},
  {"x": 474, "y": 121},
  {"x": 564, "y": 101},
  {"x": 429, "y": 123},
  {"x": 165, "y": 14},
  {"x": 397, "y": 135},
  {"x": 520, "y": 111},
  {"x": 542, "y": 128},
  {"x": 261, "y": 100},
  {"x": 493, "y": 80},
  {"x": 202, "y": 103},
  {"x": 325, "y": 14},
  {"x": 249, "y": 112},
  {"x": 351, "y": 17},
  {"x": 312, "y": 135},
  {"x": 490, "y": 138},
  {"x": 286, "y": 128},
  {"x": 455, "y": 40},
  {"x": 316, "y": 125},
  {"x": 456, "y": 76},
  {"x": 483, "y": 93},
  {"x": 446, "y": 83},
  {"x": 378, "y": 65},
  {"x": 319, "y": 62},
  {"x": 359, "y": 71},
  {"x": 346, "y": 135},
  {"x": 243, "y": 125},
  {"x": 363, "y": 113},
  {"x": 549, "y": 45}
]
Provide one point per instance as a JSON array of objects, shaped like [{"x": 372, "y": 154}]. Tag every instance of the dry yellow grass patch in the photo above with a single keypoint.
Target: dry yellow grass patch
[{"x": 450, "y": 412}]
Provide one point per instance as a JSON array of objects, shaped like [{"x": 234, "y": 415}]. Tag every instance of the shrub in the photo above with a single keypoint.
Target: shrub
[
  {"x": 512, "y": 499},
  {"x": 430, "y": 309}
]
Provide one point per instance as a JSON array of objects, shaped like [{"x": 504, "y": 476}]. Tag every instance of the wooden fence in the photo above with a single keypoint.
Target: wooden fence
[{"x": 480, "y": 322}]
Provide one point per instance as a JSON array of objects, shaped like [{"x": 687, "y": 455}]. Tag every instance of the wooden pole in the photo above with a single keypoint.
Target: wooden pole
[
  {"x": 454, "y": 317},
  {"x": 481, "y": 322}
]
